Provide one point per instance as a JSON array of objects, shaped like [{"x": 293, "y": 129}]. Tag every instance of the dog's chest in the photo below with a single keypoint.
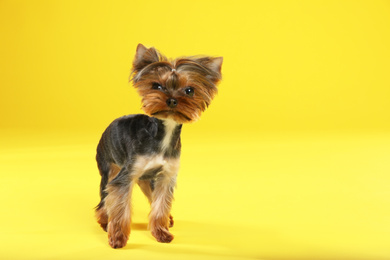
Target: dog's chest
[{"x": 149, "y": 167}]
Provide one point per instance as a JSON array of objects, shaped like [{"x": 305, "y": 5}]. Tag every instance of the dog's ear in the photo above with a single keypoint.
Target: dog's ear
[
  {"x": 144, "y": 57},
  {"x": 214, "y": 65}
]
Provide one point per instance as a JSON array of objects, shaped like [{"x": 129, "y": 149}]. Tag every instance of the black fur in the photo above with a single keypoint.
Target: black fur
[{"x": 127, "y": 137}]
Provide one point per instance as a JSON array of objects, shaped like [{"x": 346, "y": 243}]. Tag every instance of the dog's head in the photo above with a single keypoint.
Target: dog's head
[{"x": 179, "y": 89}]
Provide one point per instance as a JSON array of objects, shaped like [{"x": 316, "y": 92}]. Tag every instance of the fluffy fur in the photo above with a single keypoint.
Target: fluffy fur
[{"x": 145, "y": 149}]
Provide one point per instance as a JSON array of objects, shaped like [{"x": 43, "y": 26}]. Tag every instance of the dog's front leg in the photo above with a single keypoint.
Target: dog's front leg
[{"x": 162, "y": 197}]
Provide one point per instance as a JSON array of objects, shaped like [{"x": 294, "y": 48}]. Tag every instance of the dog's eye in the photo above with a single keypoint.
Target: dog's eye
[
  {"x": 190, "y": 91},
  {"x": 157, "y": 86}
]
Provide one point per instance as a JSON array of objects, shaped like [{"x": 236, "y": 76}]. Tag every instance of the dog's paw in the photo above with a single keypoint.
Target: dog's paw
[
  {"x": 118, "y": 241},
  {"x": 162, "y": 235},
  {"x": 171, "y": 222}
]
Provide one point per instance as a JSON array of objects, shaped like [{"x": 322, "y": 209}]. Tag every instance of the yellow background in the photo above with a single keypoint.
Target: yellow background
[{"x": 291, "y": 161}]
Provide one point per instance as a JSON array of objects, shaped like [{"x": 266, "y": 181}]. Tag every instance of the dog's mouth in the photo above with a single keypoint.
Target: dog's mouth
[{"x": 167, "y": 113}]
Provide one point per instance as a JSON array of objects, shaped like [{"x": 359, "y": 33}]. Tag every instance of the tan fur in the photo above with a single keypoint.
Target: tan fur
[
  {"x": 117, "y": 205},
  {"x": 102, "y": 217},
  {"x": 114, "y": 170},
  {"x": 147, "y": 190},
  {"x": 162, "y": 196},
  {"x": 159, "y": 220}
]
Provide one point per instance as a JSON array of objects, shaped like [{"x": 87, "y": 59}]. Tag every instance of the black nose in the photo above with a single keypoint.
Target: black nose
[{"x": 171, "y": 102}]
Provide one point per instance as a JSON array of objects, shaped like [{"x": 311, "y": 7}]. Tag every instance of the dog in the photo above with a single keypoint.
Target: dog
[{"x": 145, "y": 149}]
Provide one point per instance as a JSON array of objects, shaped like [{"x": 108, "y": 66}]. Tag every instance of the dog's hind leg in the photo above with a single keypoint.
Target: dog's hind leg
[{"x": 118, "y": 208}]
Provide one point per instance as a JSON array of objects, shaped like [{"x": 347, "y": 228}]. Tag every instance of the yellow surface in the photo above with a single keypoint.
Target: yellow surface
[
  {"x": 274, "y": 197},
  {"x": 290, "y": 162}
]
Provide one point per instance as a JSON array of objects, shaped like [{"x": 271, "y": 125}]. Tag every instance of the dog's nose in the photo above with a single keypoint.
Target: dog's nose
[{"x": 172, "y": 102}]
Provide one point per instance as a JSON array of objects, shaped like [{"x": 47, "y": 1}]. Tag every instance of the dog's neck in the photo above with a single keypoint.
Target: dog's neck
[
  {"x": 170, "y": 142},
  {"x": 169, "y": 127}
]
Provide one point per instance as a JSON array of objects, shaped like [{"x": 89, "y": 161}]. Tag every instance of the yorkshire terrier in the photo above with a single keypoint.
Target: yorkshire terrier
[{"x": 145, "y": 149}]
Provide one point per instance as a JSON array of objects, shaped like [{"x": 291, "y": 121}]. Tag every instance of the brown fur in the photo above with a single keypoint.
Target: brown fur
[
  {"x": 114, "y": 170},
  {"x": 117, "y": 205},
  {"x": 146, "y": 189},
  {"x": 102, "y": 218},
  {"x": 200, "y": 73},
  {"x": 101, "y": 213},
  {"x": 159, "y": 217}
]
